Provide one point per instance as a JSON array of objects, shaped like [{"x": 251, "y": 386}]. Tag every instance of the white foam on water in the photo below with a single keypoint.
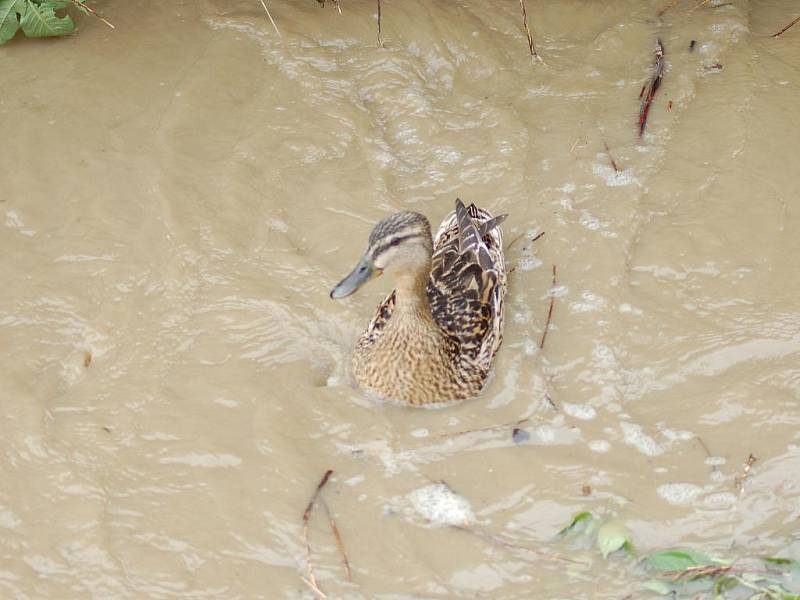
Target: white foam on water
[
  {"x": 440, "y": 506},
  {"x": 579, "y": 411},
  {"x": 720, "y": 500},
  {"x": 679, "y": 493},
  {"x": 203, "y": 460},
  {"x": 634, "y": 436},
  {"x": 599, "y": 446}
]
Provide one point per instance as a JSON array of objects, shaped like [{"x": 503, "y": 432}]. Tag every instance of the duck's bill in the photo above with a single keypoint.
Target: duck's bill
[{"x": 363, "y": 272}]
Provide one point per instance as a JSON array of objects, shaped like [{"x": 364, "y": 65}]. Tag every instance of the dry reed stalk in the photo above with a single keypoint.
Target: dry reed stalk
[
  {"x": 531, "y": 45},
  {"x": 85, "y": 8},
  {"x": 652, "y": 88},
  {"x": 312, "y": 580},
  {"x": 781, "y": 32},
  {"x": 380, "y": 36},
  {"x": 516, "y": 239},
  {"x": 338, "y": 6},
  {"x": 339, "y": 543},
  {"x": 611, "y": 158},
  {"x": 271, "y": 20},
  {"x": 740, "y": 479},
  {"x": 549, "y": 312}
]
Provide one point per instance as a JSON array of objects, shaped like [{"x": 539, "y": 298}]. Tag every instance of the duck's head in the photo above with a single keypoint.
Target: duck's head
[{"x": 399, "y": 244}]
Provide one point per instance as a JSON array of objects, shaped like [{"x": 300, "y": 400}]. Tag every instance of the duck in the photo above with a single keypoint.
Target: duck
[{"x": 433, "y": 339}]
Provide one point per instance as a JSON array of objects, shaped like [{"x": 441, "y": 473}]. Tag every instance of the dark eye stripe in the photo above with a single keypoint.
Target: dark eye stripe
[{"x": 396, "y": 241}]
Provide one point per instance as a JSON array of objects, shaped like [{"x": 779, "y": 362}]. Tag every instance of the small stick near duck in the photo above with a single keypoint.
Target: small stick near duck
[{"x": 649, "y": 91}]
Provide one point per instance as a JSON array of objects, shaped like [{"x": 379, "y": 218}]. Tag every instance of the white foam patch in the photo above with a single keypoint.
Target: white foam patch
[
  {"x": 634, "y": 436},
  {"x": 720, "y": 500},
  {"x": 679, "y": 493},
  {"x": 579, "y": 411},
  {"x": 440, "y": 506},
  {"x": 600, "y": 446},
  {"x": 716, "y": 461},
  {"x": 611, "y": 177},
  {"x": 420, "y": 433}
]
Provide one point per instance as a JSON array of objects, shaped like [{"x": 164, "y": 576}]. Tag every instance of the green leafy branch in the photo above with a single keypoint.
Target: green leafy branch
[
  {"x": 691, "y": 573},
  {"x": 38, "y": 18}
]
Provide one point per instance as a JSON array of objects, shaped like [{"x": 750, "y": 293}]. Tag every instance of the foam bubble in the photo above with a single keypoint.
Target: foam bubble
[
  {"x": 634, "y": 436},
  {"x": 601, "y": 446},
  {"x": 679, "y": 493},
  {"x": 720, "y": 500},
  {"x": 579, "y": 411},
  {"x": 440, "y": 506}
]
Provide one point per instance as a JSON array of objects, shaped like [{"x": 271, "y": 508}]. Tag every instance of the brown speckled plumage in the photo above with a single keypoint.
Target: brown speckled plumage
[{"x": 433, "y": 340}]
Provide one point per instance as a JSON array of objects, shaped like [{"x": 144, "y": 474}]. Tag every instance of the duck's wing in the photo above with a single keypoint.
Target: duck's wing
[{"x": 468, "y": 281}]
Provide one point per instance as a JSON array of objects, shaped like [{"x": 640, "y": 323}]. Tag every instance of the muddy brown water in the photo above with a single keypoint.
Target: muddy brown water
[{"x": 179, "y": 194}]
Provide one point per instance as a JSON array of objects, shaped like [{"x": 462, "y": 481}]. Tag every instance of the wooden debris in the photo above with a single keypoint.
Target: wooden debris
[
  {"x": 271, "y": 20},
  {"x": 716, "y": 67},
  {"x": 87, "y": 359},
  {"x": 339, "y": 543},
  {"x": 380, "y": 36},
  {"x": 312, "y": 580},
  {"x": 516, "y": 239},
  {"x": 740, "y": 479},
  {"x": 652, "y": 88},
  {"x": 489, "y": 428},
  {"x": 91, "y": 11},
  {"x": 667, "y": 7},
  {"x": 611, "y": 158},
  {"x": 531, "y": 45},
  {"x": 586, "y": 490},
  {"x": 782, "y": 31},
  {"x": 549, "y": 312},
  {"x": 692, "y": 44}
]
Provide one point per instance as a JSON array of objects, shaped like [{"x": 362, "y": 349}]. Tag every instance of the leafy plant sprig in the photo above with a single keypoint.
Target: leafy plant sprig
[{"x": 38, "y": 18}]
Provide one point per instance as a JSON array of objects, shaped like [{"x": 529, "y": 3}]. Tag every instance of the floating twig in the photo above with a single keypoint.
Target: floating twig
[
  {"x": 740, "y": 479},
  {"x": 549, "y": 312},
  {"x": 92, "y": 12},
  {"x": 380, "y": 36},
  {"x": 339, "y": 543},
  {"x": 667, "y": 7},
  {"x": 489, "y": 428},
  {"x": 271, "y": 20},
  {"x": 652, "y": 88},
  {"x": 516, "y": 239},
  {"x": 312, "y": 580},
  {"x": 337, "y": 5},
  {"x": 781, "y": 32},
  {"x": 611, "y": 158},
  {"x": 531, "y": 45},
  {"x": 498, "y": 541}
]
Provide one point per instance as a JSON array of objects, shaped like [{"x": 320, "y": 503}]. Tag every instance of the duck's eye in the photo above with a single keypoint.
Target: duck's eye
[
  {"x": 395, "y": 242},
  {"x": 362, "y": 268}
]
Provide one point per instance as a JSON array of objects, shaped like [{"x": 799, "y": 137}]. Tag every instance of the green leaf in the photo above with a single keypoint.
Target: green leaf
[
  {"x": 612, "y": 536},
  {"x": 576, "y": 520},
  {"x": 678, "y": 560},
  {"x": 724, "y": 584},
  {"x": 40, "y": 19},
  {"x": 10, "y": 12},
  {"x": 783, "y": 564}
]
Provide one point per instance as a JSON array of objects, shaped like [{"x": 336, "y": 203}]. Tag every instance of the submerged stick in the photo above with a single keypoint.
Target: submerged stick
[
  {"x": 271, "y": 20},
  {"x": 611, "y": 158},
  {"x": 312, "y": 580},
  {"x": 549, "y": 312},
  {"x": 531, "y": 45},
  {"x": 652, "y": 88},
  {"x": 740, "y": 479},
  {"x": 498, "y": 541},
  {"x": 380, "y": 37},
  {"x": 781, "y": 32},
  {"x": 488, "y": 428},
  {"x": 339, "y": 543},
  {"x": 86, "y": 9}
]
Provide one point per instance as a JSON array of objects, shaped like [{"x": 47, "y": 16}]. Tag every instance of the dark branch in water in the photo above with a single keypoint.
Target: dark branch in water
[
  {"x": 380, "y": 37},
  {"x": 549, "y": 312},
  {"x": 780, "y": 33},
  {"x": 611, "y": 158},
  {"x": 652, "y": 87},
  {"x": 531, "y": 45},
  {"x": 312, "y": 580}
]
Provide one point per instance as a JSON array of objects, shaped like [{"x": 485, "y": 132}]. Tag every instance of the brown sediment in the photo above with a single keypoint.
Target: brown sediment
[{"x": 652, "y": 87}]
